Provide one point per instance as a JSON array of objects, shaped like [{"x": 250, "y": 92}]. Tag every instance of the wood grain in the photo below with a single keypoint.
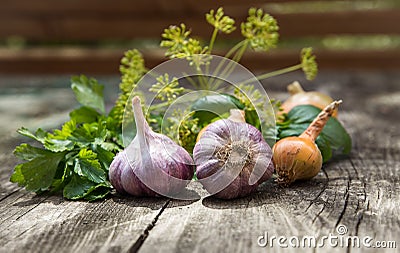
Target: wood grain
[
  {"x": 94, "y": 26},
  {"x": 67, "y": 60}
]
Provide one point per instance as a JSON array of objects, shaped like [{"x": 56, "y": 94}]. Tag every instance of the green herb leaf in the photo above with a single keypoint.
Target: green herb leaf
[
  {"x": 37, "y": 174},
  {"x": 88, "y": 92},
  {"x": 39, "y": 136},
  {"x": 56, "y": 145},
  {"x": 105, "y": 157},
  {"x": 99, "y": 191},
  {"x": 333, "y": 138},
  {"x": 88, "y": 166},
  {"x": 80, "y": 187},
  {"x": 209, "y": 107},
  {"x": 27, "y": 152},
  {"x": 77, "y": 187},
  {"x": 84, "y": 114}
]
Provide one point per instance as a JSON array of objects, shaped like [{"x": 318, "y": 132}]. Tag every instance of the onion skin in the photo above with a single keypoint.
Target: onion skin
[
  {"x": 299, "y": 158},
  {"x": 152, "y": 164},
  {"x": 296, "y": 159},
  {"x": 301, "y": 97},
  {"x": 232, "y": 159}
]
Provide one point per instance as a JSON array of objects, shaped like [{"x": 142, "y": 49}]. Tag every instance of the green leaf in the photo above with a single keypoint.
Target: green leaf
[
  {"x": 212, "y": 106},
  {"x": 28, "y": 153},
  {"x": 105, "y": 157},
  {"x": 251, "y": 117},
  {"x": 84, "y": 114},
  {"x": 98, "y": 192},
  {"x": 88, "y": 166},
  {"x": 62, "y": 176},
  {"x": 77, "y": 187},
  {"x": 325, "y": 148},
  {"x": 37, "y": 174},
  {"x": 58, "y": 145},
  {"x": 39, "y": 136},
  {"x": 333, "y": 138},
  {"x": 58, "y": 141},
  {"x": 88, "y": 92},
  {"x": 80, "y": 187}
]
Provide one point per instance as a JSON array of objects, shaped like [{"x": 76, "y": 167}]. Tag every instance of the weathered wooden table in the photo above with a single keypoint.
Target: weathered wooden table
[{"x": 360, "y": 192}]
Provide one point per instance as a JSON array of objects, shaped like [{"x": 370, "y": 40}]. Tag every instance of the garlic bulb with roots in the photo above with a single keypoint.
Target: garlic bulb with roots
[
  {"x": 152, "y": 164},
  {"x": 232, "y": 158}
]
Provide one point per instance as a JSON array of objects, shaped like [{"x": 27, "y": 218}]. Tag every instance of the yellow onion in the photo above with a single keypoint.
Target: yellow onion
[
  {"x": 298, "y": 158},
  {"x": 300, "y": 97}
]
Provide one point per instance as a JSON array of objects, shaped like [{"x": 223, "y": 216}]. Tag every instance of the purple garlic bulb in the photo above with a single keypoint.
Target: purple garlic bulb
[
  {"x": 152, "y": 164},
  {"x": 232, "y": 158}
]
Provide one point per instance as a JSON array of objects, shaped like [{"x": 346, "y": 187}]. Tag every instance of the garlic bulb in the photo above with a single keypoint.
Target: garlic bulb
[
  {"x": 232, "y": 158},
  {"x": 152, "y": 164}
]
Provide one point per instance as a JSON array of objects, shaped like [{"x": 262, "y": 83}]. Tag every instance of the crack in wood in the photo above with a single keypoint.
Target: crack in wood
[
  {"x": 346, "y": 202},
  {"x": 318, "y": 214},
  {"x": 10, "y": 194},
  {"x": 139, "y": 242},
  {"x": 30, "y": 209},
  {"x": 320, "y": 193}
]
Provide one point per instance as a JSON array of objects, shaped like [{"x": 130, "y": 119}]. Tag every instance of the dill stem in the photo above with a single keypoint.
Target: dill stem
[
  {"x": 212, "y": 40},
  {"x": 236, "y": 58},
  {"x": 227, "y": 55},
  {"x": 273, "y": 73}
]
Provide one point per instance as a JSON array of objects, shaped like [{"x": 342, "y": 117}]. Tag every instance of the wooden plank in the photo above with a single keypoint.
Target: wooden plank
[
  {"x": 91, "y": 28},
  {"x": 347, "y": 192},
  {"x": 361, "y": 191},
  {"x": 122, "y": 6},
  {"x": 43, "y": 223},
  {"x": 106, "y": 61},
  {"x": 51, "y": 224}
]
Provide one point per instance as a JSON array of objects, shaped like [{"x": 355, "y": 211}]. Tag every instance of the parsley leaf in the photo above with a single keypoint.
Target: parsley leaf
[
  {"x": 88, "y": 166},
  {"x": 37, "y": 174},
  {"x": 88, "y": 92},
  {"x": 84, "y": 114},
  {"x": 75, "y": 158},
  {"x": 81, "y": 187}
]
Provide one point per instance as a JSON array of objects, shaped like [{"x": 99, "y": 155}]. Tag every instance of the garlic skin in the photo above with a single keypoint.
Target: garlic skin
[
  {"x": 152, "y": 164},
  {"x": 232, "y": 159}
]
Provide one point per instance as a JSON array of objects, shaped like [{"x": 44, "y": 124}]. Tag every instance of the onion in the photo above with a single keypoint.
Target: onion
[{"x": 301, "y": 97}]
